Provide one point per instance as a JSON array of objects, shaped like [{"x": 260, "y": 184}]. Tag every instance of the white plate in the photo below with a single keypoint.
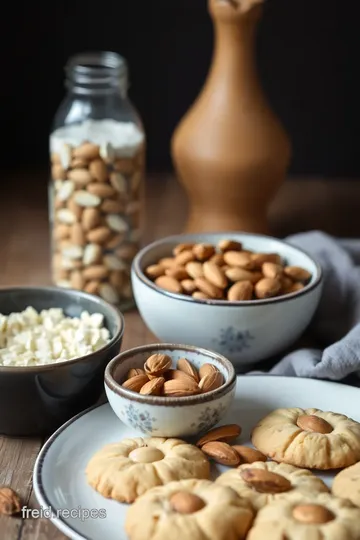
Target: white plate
[{"x": 59, "y": 478}]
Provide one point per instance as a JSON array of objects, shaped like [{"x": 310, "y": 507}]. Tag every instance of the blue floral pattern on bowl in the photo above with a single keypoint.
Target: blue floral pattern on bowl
[
  {"x": 208, "y": 418},
  {"x": 142, "y": 421},
  {"x": 231, "y": 340}
]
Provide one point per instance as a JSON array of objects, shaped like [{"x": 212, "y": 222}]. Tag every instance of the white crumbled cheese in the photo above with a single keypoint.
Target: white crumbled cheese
[{"x": 32, "y": 338}]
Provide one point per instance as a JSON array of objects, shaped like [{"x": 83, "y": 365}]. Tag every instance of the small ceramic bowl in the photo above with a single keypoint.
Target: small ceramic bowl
[
  {"x": 245, "y": 332},
  {"x": 36, "y": 400},
  {"x": 169, "y": 416}
]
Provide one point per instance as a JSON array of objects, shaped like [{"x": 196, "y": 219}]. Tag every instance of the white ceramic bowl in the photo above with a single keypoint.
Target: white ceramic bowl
[
  {"x": 158, "y": 416},
  {"x": 245, "y": 332}
]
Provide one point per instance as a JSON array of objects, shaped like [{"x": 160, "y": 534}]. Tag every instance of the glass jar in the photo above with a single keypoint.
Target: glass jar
[{"x": 96, "y": 194}]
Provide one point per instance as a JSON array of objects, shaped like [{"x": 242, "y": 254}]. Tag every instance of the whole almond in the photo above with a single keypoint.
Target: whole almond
[
  {"x": 239, "y": 274},
  {"x": 169, "y": 284},
  {"x": 62, "y": 232},
  {"x": 177, "y": 374},
  {"x": 194, "y": 269},
  {"x": 10, "y": 503},
  {"x": 214, "y": 274},
  {"x": 116, "y": 223},
  {"x": 295, "y": 287},
  {"x": 92, "y": 254},
  {"x": 118, "y": 182},
  {"x": 210, "y": 382},
  {"x": 109, "y": 293},
  {"x": 90, "y": 218},
  {"x": 203, "y": 252},
  {"x": 226, "y": 433},
  {"x": 238, "y": 259},
  {"x": 265, "y": 481},
  {"x": 154, "y": 271},
  {"x": 218, "y": 259},
  {"x": 272, "y": 270},
  {"x": 98, "y": 170},
  {"x": 188, "y": 286},
  {"x": 180, "y": 387},
  {"x": 87, "y": 151},
  {"x": 314, "y": 424},
  {"x": 135, "y": 371},
  {"x": 229, "y": 245},
  {"x": 184, "y": 257},
  {"x": 85, "y": 199},
  {"x": 177, "y": 272},
  {"x": 78, "y": 163},
  {"x": 81, "y": 177},
  {"x": 112, "y": 262},
  {"x": 260, "y": 258},
  {"x": 77, "y": 280},
  {"x": 249, "y": 455},
  {"x": 240, "y": 291},
  {"x": 182, "y": 247},
  {"x": 312, "y": 514},
  {"x": 185, "y": 502},
  {"x": 96, "y": 271},
  {"x": 208, "y": 288},
  {"x": 297, "y": 274},
  {"x": 101, "y": 190},
  {"x": 206, "y": 369},
  {"x": 157, "y": 364},
  {"x": 135, "y": 383},
  {"x": 77, "y": 236},
  {"x": 222, "y": 453},
  {"x": 167, "y": 262},
  {"x": 114, "y": 241},
  {"x": 99, "y": 235},
  {"x": 92, "y": 287},
  {"x": 267, "y": 288},
  {"x": 198, "y": 295},
  {"x": 286, "y": 284},
  {"x": 153, "y": 387},
  {"x": 184, "y": 365},
  {"x": 109, "y": 206}
]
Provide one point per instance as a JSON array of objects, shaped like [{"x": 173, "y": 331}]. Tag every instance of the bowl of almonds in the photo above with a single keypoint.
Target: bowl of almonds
[
  {"x": 167, "y": 390},
  {"x": 245, "y": 296}
]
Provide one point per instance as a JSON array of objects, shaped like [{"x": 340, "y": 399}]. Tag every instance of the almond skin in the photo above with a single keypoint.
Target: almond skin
[
  {"x": 184, "y": 365},
  {"x": 184, "y": 502},
  {"x": 169, "y": 284},
  {"x": 153, "y": 387},
  {"x": 214, "y": 274},
  {"x": 265, "y": 481},
  {"x": 297, "y": 274},
  {"x": 157, "y": 364},
  {"x": 249, "y": 455},
  {"x": 314, "y": 424},
  {"x": 210, "y": 382},
  {"x": 226, "y": 433},
  {"x": 135, "y": 383},
  {"x": 180, "y": 387},
  {"x": 221, "y": 452},
  {"x": 240, "y": 291}
]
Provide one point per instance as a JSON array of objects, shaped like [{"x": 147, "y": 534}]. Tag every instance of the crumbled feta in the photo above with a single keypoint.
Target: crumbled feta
[{"x": 32, "y": 338}]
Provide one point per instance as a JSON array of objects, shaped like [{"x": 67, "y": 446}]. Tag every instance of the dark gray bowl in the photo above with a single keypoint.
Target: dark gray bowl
[{"x": 37, "y": 400}]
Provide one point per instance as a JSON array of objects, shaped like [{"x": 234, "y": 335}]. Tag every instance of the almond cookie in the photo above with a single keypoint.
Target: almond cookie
[
  {"x": 125, "y": 470},
  {"x": 189, "y": 509},
  {"x": 346, "y": 484},
  {"x": 309, "y": 438},
  {"x": 264, "y": 482},
  {"x": 317, "y": 517}
]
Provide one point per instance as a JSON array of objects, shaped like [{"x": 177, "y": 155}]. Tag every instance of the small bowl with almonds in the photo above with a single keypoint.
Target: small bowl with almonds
[
  {"x": 246, "y": 296},
  {"x": 167, "y": 390}
]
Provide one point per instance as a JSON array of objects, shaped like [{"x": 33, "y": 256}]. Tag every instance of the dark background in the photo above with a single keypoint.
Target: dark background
[{"x": 308, "y": 57}]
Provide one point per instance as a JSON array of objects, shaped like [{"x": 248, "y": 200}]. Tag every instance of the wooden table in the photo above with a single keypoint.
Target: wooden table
[{"x": 303, "y": 204}]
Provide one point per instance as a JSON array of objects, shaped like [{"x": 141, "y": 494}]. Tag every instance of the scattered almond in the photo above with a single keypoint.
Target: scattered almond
[
  {"x": 226, "y": 433},
  {"x": 222, "y": 453},
  {"x": 10, "y": 503},
  {"x": 249, "y": 455}
]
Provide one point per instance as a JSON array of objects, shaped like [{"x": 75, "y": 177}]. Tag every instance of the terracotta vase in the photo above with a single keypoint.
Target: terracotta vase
[{"x": 230, "y": 151}]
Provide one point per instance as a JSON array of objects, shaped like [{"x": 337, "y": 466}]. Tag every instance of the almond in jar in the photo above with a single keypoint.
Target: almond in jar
[{"x": 97, "y": 154}]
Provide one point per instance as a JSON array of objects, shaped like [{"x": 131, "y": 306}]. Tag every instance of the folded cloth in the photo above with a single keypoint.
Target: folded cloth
[{"x": 336, "y": 323}]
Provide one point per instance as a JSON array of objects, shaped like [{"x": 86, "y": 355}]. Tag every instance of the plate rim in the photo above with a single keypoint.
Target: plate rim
[{"x": 42, "y": 497}]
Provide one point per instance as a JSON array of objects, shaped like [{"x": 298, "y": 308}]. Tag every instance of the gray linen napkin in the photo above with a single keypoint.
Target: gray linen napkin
[{"x": 336, "y": 324}]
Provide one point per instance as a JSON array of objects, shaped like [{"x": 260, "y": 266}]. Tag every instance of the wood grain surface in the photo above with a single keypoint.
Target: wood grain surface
[{"x": 303, "y": 204}]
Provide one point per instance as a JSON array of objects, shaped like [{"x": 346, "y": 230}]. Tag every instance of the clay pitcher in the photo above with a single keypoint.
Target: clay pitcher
[{"x": 230, "y": 151}]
